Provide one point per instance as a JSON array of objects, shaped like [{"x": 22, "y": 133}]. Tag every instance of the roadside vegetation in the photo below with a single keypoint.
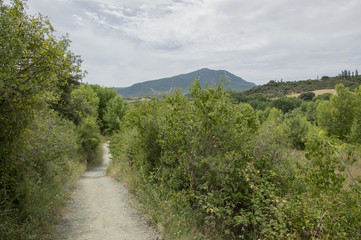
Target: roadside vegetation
[
  {"x": 51, "y": 123},
  {"x": 206, "y": 166},
  {"x": 212, "y": 164}
]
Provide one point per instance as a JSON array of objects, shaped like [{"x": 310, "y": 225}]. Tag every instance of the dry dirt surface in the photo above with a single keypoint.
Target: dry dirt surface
[
  {"x": 99, "y": 210},
  {"x": 317, "y": 92}
]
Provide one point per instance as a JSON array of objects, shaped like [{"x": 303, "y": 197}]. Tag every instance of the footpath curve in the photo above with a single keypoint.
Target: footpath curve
[{"x": 99, "y": 210}]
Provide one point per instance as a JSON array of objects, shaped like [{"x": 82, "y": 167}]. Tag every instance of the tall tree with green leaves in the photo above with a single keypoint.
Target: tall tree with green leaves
[
  {"x": 337, "y": 115},
  {"x": 105, "y": 94},
  {"x": 86, "y": 103},
  {"x": 38, "y": 149},
  {"x": 114, "y": 113},
  {"x": 33, "y": 61},
  {"x": 355, "y": 132}
]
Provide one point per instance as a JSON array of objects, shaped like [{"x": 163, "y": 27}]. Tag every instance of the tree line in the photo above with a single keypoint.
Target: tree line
[
  {"x": 347, "y": 74},
  {"x": 51, "y": 123}
]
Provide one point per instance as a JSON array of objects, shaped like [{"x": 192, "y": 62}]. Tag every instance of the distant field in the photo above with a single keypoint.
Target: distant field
[{"x": 317, "y": 92}]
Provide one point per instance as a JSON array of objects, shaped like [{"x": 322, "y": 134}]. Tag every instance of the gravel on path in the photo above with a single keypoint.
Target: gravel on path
[{"x": 99, "y": 210}]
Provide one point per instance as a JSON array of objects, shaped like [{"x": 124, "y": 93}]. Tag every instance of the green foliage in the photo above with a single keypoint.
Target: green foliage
[
  {"x": 286, "y": 104},
  {"x": 307, "y": 96},
  {"x": 32, "y": 62},
  {"x": 105, "y": 94},
  {"x": 296, "y": 128},
  {"x": 275, "y": 89},
  {"x": 309, "y": 110},
  {"x": 355, "y": 131},
  {"x": 181, "y": 145},
  {"x": 44, "y": 164},
  {"x": 114, "y": 113},
  {"x": 89, "y": 140},
  {"x": 204, "y": 168},
  {"x": 321, "y": 210},
  {"x": 86, "y": 103},
  {"x": 258, "y": 101},
  {"x": 322, "y": 97},
  {"x": 337, "y": 115},
  {"x": 39, "y": 147}
]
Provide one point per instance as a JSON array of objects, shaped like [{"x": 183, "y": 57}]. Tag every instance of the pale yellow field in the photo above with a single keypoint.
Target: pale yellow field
[{"x": 317, "y": 92}]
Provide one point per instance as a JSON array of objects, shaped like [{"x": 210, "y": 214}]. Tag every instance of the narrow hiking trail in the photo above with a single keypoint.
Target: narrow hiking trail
[{"x": 99, "y": 210}]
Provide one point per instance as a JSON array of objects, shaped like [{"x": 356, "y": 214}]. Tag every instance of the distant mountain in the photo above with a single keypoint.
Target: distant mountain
[{"x": 205, "y": 75}]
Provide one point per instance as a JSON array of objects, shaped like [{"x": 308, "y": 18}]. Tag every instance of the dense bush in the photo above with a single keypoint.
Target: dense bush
[
  {"x": 44, "y": 165},
  {"x": 105, "y": 94},
  {"x": 307, "y": 96},
  {"x": 339, "y": 115},
  {"x": 297, "y": 128},
  {"x": 114, "y": 113},
  {"x": 42, "y": 129},
  {"x": 286, "y": 104},
  {"x": 204, "y": 168},
  {"x": 86, "y": 104}
]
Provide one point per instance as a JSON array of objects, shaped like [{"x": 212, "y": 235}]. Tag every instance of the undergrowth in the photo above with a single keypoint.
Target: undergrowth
[
  {"x": 204, "y": 168},
  {"x": 44, "y": 167}
]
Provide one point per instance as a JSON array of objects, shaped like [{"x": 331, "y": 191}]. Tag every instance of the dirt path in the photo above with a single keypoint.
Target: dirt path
[{"x": 99, "y": 210}]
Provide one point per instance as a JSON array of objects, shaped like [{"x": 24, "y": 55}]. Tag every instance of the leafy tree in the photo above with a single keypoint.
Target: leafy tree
[
  {"x": 286, "y": 104},
  {"x": 258, "y": 100},
  {"x": 238, "y": 97},
  {"x": 325, "y": 96},
  {"x": 114, "y": 113},
  {"x": 325, "y": 77},
  {"x": 105, "y": 94},
  {"x": 337, "y": 115},
  {"x": 32, "y": 62},
  {"x": 86, "y": 101},
  {"x": 355, "y": 131},
  {"x": 34, "y": 183},
  {"x": 324, "y": 117},
  {"x": 296, "y": 128},
  {"x": 309, "y": 110},
  {"x": 63, "y": 104},
  {"x": 86, "y": 104},
  {"x": 39, "y": 146},
  {"x": 307, "y": 96}
]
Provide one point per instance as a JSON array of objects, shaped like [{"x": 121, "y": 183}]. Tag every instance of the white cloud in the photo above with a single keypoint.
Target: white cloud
[{"x": 128, "y": 41}]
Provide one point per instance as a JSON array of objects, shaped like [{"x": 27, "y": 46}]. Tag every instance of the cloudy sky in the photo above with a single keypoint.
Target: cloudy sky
[{"x": 127, "y": 41}]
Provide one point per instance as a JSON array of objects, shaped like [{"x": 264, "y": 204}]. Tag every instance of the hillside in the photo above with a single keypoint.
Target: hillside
[
  {"x": 205, "y": 75},
  {"x": 275, "y": 89}
]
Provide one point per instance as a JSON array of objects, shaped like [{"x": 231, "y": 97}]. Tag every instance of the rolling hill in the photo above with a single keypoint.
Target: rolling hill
[
  {"x": 205, "y": 75},
  {"x": 275, "y": 89}
]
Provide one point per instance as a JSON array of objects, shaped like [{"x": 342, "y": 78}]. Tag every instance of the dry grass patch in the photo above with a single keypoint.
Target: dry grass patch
[{"x": 317, "y": 92}]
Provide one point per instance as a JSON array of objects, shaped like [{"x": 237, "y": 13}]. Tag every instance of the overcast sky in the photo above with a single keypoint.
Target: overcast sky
[{"x": 127, "y": 41}]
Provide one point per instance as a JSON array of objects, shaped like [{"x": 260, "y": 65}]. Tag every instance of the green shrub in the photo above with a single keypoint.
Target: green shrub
[
  {"x": 44, "y": 164},
  {"x": 114, "y": 113},
  {"x": 307, "y": 96},
  {"x": 89, "y": 139},
  {"x": 286, "y": 104},
  {"x": 337, "y": 115},
  {"x": 204, "y": 168},
  {"x": 296, "y": 128}
]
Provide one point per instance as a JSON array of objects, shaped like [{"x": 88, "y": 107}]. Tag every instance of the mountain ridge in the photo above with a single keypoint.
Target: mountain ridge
[{"x": 205, "y": 75}]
